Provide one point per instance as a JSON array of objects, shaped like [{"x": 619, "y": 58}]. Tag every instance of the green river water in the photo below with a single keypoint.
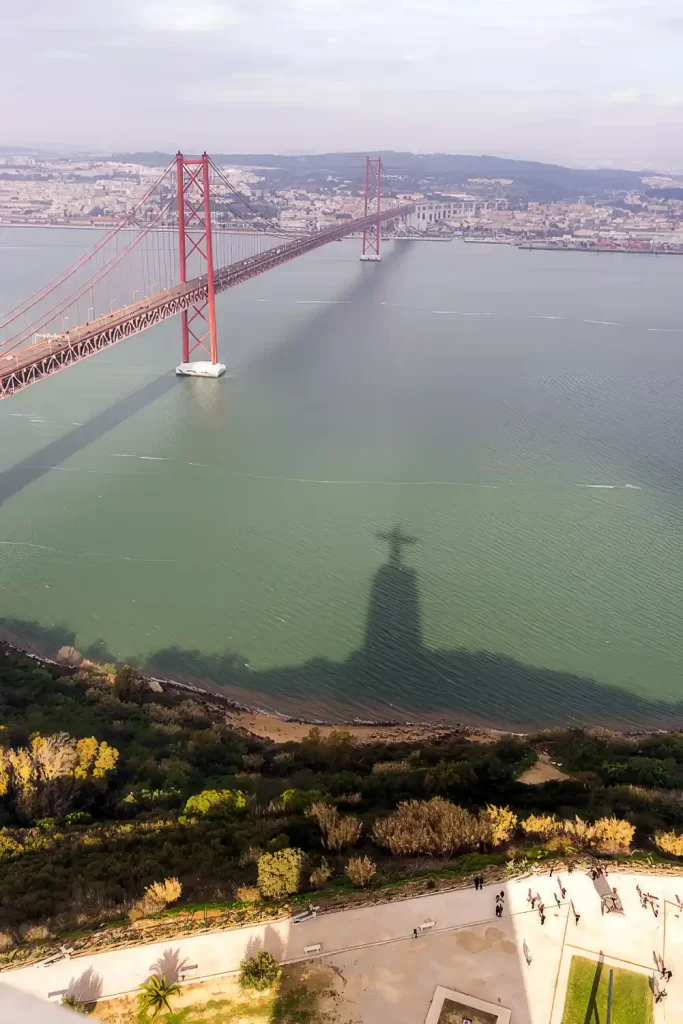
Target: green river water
[{"x": 446, "y": 486}]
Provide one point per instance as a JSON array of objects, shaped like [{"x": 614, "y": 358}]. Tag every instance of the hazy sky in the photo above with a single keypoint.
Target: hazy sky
[{"x": 584, "y": 82}]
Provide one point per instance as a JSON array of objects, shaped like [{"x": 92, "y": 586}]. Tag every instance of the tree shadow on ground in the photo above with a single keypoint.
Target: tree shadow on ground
[
  {"x": 170, "y": 964},
  {"x": 86, "y": 988}
]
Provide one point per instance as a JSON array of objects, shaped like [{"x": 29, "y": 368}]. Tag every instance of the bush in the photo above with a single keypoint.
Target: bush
[
  {"x": 250, "y": 856},
  {"x": 321, "y": 874},
  {"x": 613, "y": 835},
  {"x": 435, "y": 827},
  {"x": 259, "y": 972},
  {"x": 501, "y": 822},
  {"x": 36, "y": 933},
  {"x": 545, "y": 826},
  {"x": 279, "y": 874},
  {"x": 296, "y": 801},
  {"x": 7, "y": 941},
  {"x": 337, "y": 830},
  {"x": 247, "y": 893},
  {"x": 164, "y": 892},
  {"x": 390, "y": 767},
  {"x": 608, "y": 835},
  {"x": 212, "y": 803},
  {"x": 75, "y": 1004},
  {"x": 138, "y": 911},
  {"x": 669, "y": 842},
  {"x": 360, "y": 871},
  {"x": 78, "y": 818}
]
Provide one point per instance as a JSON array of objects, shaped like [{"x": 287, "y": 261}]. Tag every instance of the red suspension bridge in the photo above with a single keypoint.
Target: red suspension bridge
[{"x": 177, "y": 248}]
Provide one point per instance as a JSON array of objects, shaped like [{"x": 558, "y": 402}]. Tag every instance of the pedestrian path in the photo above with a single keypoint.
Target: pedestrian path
[{"x": 509, "y": 940}]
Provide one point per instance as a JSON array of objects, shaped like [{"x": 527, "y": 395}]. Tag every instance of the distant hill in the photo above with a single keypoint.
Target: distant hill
[{"x": 536, "y": 179}]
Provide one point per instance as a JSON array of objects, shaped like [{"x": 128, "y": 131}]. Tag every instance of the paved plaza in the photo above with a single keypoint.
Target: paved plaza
[{"x": 391, "y": 975}]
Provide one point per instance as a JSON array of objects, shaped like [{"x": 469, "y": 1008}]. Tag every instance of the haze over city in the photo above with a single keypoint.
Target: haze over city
[{"x": 571, "y": 81}]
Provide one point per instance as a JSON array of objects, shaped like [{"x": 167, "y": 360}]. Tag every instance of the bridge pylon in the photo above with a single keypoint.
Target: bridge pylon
[
  {"x": 195, "y": 252},
  {"x": 373, "y": 205}
]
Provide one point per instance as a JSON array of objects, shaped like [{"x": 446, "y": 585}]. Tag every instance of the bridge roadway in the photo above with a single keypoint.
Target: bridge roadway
[{"x": 31, "y": 363}]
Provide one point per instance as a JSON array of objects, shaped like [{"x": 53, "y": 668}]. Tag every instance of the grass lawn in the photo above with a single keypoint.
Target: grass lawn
[{"x": 586, "y": 999}]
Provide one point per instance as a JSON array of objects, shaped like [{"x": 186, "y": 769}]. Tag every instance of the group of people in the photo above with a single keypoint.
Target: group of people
[
  {"x": 500, "y": 903},
  {"x": 648, "y": 900},
  {"x": 666, "y": 974},
  {"x": 533, "y": 900}
]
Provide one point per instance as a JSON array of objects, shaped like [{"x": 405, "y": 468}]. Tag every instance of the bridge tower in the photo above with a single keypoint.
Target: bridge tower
[
  {"x": 195, "y": 252},
  {"x": 373, "y": 203}
]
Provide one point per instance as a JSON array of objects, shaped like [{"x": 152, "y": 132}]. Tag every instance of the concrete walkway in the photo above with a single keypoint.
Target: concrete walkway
[{"x": 391, "y": 975}]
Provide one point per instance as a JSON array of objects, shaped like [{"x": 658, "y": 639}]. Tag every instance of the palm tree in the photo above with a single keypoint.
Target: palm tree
[{"x": 156, "y": 992}]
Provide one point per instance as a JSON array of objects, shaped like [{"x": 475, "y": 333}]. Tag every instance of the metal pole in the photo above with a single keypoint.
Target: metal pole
[
  {"x": 379, "y": 200},
  {"x": 367, "y": 190},
  {"x": 210, "y": 290},
  {"x": 182, "y": 258},
  {"x": 609, "y": 996}
]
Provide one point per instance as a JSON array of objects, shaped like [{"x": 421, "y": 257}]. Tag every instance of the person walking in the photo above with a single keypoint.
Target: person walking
[
  {"x": 557, "y": 899},
  {"x": 527, "y": 954},
  {"x": 414, "y": 933}
]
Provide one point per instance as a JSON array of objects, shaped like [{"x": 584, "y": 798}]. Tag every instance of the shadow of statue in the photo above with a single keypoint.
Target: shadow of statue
[
  {"x": 393, "y": 620},
  {"x": 394, "y": 675}
]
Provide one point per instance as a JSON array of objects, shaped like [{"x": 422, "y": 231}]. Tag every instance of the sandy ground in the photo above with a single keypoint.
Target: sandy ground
[
  {"x": 542, "y": 771},
  {"x": 282, "y": 731},
  {"x": 386, "y": 974},
  {"x": 221, "y": 999}
]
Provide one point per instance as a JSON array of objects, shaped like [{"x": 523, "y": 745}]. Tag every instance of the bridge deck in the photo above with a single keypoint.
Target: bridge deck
[{"x": 39, "y": 359}]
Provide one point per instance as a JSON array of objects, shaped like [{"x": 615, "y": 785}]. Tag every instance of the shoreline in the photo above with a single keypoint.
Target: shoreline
[{"x": 280, "y": 727}]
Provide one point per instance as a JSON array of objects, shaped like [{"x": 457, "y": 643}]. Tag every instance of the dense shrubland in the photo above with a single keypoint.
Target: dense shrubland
[{"x": 118, "y": 801}]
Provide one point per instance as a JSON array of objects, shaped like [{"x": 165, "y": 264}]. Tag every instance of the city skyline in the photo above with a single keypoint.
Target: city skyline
[{"x": 572, "y": 82}]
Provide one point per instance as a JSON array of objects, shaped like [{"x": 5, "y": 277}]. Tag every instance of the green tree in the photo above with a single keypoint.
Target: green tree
[
  {"x": 259, "y": 972},
  {"x": 155, "y": 994},
  {"x": 127, "y": 684},
  {"x": 215, "y": 803},
  {"x": 279, "y": 874}
]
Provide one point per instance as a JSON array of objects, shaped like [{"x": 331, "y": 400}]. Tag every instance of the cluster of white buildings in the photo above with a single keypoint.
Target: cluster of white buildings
[
  {"x": 447, "y": 212},
  {"x": 74, "y": 192}
]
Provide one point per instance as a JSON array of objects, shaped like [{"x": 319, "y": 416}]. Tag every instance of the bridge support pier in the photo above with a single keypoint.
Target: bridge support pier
[
  {"x": 195, "y": 243},
  {"x": 373, "y": 198}
]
